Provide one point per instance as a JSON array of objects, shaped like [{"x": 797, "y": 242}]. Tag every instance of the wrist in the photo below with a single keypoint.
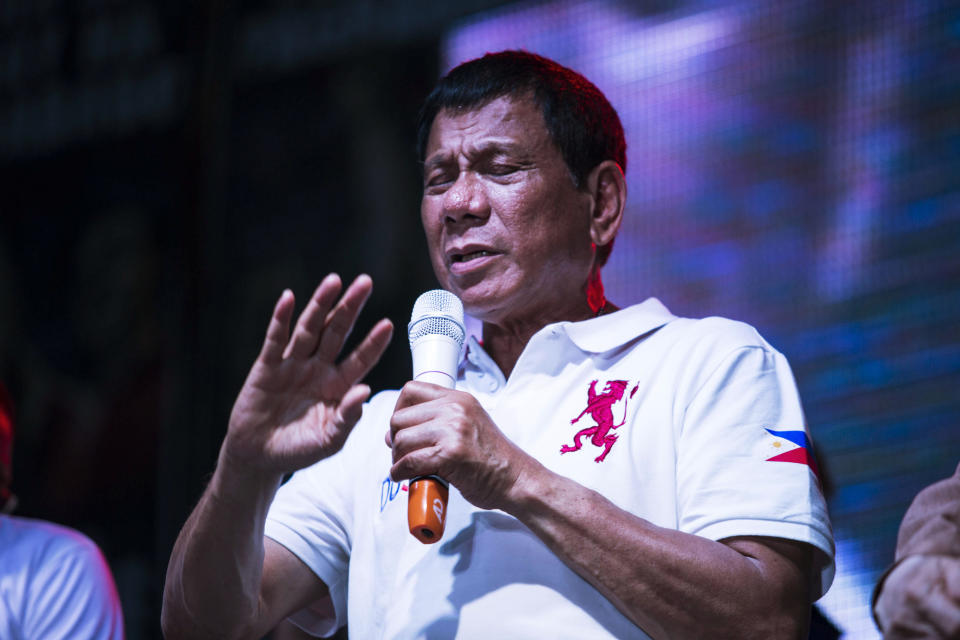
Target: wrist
[
  {"x": 233, "y": 480},
  {"x": 529, "y": 489}
]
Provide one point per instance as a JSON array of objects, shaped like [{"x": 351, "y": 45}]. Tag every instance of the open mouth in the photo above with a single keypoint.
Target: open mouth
[{"x": 466, "y": 257}]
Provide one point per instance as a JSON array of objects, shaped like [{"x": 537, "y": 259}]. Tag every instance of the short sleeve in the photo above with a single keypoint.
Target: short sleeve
[
  {"x": 745, "y": 459},
  {"x": 310, "y": 516}
]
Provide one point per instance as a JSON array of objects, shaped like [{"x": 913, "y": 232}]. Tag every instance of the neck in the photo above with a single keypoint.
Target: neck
[{"x": 506, "y": 340}]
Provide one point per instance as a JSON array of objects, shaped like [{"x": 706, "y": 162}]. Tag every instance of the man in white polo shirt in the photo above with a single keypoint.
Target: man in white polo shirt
[{"x": 614, "y": 473}]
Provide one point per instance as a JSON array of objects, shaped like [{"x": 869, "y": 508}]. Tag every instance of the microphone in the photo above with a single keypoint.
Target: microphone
[{"x": 436, "y": 335}]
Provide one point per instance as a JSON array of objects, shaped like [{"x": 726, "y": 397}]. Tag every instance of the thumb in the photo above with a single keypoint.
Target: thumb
[{"x": 351, "y": 405}]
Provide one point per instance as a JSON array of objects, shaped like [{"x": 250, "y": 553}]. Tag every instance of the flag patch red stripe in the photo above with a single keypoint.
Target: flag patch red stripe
[{"x": 798, "y": 455}]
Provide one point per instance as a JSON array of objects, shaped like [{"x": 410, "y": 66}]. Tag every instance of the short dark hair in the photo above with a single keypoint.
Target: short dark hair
[{"x": 581, "y": 121}]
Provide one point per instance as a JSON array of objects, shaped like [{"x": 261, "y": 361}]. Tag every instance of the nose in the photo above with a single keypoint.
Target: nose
[{"x": 466, "y": 199}]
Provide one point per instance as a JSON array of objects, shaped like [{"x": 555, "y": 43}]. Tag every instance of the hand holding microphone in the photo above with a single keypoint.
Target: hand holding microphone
[{"x": 436, "y": 333}]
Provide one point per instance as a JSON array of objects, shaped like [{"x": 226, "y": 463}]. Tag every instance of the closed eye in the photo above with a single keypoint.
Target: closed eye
[
  {"x": 501, "y": 169},
  {"x": 506, "y": 172},
  {"x": 438, "y": 179}
]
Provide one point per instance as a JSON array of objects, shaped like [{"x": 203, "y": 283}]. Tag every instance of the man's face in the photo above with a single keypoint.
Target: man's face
[{"x": 507, "y": 231}]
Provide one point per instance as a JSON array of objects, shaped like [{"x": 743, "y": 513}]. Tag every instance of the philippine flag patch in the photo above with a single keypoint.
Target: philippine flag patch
[{"x": 793, "y": 446}]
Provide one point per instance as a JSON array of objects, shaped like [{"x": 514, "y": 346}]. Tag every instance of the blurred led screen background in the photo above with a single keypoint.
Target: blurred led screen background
[
  {"x": 168, "y": 168},
  {"x": 794, "y": 165}
]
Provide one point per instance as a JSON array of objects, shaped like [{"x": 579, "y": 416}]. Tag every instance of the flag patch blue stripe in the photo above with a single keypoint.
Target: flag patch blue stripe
[{"x": 798, "y": 438}]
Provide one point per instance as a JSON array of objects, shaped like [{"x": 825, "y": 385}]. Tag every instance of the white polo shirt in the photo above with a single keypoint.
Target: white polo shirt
[{"x": 690, "y": 424}]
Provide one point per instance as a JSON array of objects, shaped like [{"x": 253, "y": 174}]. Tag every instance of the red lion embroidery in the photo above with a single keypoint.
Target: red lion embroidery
[{"x": 600, "y": 408}]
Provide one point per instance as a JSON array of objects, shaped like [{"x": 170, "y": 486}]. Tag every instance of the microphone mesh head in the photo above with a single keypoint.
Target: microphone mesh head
[{"x": 437, "y": 312}]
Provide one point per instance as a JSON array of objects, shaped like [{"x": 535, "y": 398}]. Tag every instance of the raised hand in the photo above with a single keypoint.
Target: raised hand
[{"x": 298, "y": 405}]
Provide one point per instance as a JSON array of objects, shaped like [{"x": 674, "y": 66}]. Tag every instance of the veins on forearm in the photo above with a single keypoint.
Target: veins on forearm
[{"x": 667, "y": 582}]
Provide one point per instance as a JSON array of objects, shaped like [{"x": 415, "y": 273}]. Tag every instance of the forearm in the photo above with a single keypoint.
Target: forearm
[
  {"x": 213, "y": 578},
  {"x": 671, "y": 584}
]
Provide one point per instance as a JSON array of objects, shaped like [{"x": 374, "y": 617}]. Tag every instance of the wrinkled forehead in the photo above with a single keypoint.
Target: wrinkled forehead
[
  {"x": 517, "y": 118},
  {"x": 521, "y": 100}
]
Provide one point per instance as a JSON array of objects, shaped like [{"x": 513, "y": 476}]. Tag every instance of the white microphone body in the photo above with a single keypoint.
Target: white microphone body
[
  {"x": 435, "y": 360},
  {"x": 436, "y": 333}
]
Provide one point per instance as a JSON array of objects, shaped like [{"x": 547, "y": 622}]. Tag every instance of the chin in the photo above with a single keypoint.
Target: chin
[
  {"x": 476, "y": 306},
  {"x": 486, "y": 299},
  {"x": 475, "y": 302},
  {"x": 486, "y": 308}
]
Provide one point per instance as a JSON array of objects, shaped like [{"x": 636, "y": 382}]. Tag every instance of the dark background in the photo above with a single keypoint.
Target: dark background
[{"x": 167, "y": 169}]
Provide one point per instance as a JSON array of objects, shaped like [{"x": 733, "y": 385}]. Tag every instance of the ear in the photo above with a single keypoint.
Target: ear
[{"x": 607, "y": 188}]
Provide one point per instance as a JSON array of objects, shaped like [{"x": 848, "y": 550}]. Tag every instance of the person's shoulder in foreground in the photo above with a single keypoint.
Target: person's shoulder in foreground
[{"x": 56, "y": 584}]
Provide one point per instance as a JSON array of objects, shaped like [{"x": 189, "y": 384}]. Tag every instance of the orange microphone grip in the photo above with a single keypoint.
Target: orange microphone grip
[{"x": 427, "y": 508}]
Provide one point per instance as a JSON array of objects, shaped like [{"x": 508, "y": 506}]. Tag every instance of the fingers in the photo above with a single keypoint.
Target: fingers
[
  {"x": 419, "y": 421},
  {"x": 356, "y": 365},
  {"x": 427, "y": 434},
  {"x": 322, "y": 328},
  {"x": 941, "y": 605},
  {"x": 419, "y": 452},
  {"x": 339, "y": 322},
  {"x": 420, "y": 463},
  {"x": 311, "y": 321},
  {"x": 942, "y": 613},
  {"x": 278, "y": 331},
  {"x": 420, "y": 403},
  {"x": 415, "y": 392},
  {"x": 412, "y": 406},
  {"x": 412, "y": 446}
]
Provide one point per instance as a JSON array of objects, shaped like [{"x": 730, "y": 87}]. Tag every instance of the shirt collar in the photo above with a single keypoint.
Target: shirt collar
[
  {"x": 598, "y": 335},
  {"x": 595, "y": 335}
]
